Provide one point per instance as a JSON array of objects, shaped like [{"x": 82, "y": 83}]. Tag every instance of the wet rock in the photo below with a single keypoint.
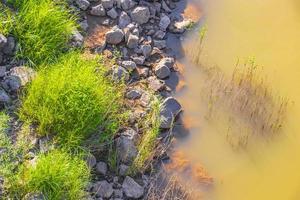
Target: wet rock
[
  {"x": 132, "y": 189},
  {"x": 132, "y": 41},
  {"x": 25, "y": 74},
  {"x": 114, "y": 36},
  {"x": 140, "y": 15},
  {"x": 103, "y": 189},
  {"x": 164, "y": 22},
  {"x": 123, "y": 169},
  {"x": 108, "y": 4},
  {"x": 12, "y": 83},
  {"x": 83, "y": 4},
  {"x": 9, "y": 47},
  {"x": 120, "y": 73},
  {"x": 101, "y": 168},
  {"x": 4, "y": 97},
  {"x": 91, "y": 161},
  {"x": 129, "y": 65},
  {"x": 146, "y": 50},
  {"x": 98, "y": 10},
  {"x": 124, "y": 20},
  {"x": 126, "y": 150},
  {"x": 112, "y": 13},
  {"x": 3, "y": 41},
  {"x": 133, "y": 94},
  {"x": 160, "y": 44}
]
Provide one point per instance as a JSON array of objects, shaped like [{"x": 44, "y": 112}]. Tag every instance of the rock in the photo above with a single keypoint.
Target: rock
[
  {"x": 112, "y": 13},
  {"x": 139, "y": 60},
  {"x": 162, "y": 71},
  {"x": 91, "y": 161},
  {"x": 129, "y": 65},
  {"x": 25, "y": 74},
  {"x": 12, "y": 83},
  {"x": 126, "y": 150},
  {"x": 34, "y": 196},
  {"x": 9, "y": 48},
  {"x": 83, "y": 4},
  {"x": 3, "y": 41},
  {"x": 103, "y": 189},
  {"x": 164, "y": 22},
  {"x": 108, "y": 4},
  {"x": 146, "y": 50},
  {"x": 132, "y": 189},
  {"x": 140, "y": 15},
  {"x": 114, "y": 36},
  {"x": 101, "y": 168},
  {"x": 123, "y": 170},
  {"x": 119, "y": 73},
  {"x": 4, "y": 97},
  {"x": 170, "y": 109},
  {"x": 98, "y": 10},
  {"x": 160, "y": 44},
  {"x": 133, "y": 94},
  {"x": 124, "y": 20},
  {"x": 126, "y": 4},
  {"x": 159, "y": 34},
  {"x": 132, "y": 41}
]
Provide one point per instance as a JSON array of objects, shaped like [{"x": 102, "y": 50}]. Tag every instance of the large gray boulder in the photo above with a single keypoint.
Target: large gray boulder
[
  {"x": 98, "y": 10},
  {"x": 140, "y": 15},
  {"x": 103, "y": 189},
  {"x": 132, "y": 189},
  {"x": 126, "y": 150},
  {"x": 114, "y": 36}
]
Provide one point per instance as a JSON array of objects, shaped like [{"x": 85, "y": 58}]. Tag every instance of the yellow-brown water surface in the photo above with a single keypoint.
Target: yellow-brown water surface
[{"x": 269, "y": 32}]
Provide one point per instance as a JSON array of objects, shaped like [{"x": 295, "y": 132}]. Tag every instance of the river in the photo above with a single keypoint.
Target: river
[{"x": 266, "y": 35}]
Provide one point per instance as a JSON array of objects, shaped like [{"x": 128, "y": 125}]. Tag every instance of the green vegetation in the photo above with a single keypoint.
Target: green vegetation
[
  {"x": 147, "y": 144},
  {"x": 42, "y": 28},
  {"x": 72, "y": 99},
  {"x": 57, "y": 175}
]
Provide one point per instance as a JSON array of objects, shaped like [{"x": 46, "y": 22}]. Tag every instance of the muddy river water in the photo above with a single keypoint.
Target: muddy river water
[{"x": 267, "y": 32}]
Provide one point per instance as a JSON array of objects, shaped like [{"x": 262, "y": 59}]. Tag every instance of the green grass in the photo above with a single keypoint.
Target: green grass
[
  {"x": 146, "y": 147},
  {"x": 57, "y": 175},
  {"x": 43, "y": 29},
  {"x": 72, "y": 99}
]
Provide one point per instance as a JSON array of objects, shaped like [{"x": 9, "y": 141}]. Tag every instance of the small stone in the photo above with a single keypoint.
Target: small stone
[
  {"x": 103, "y": 189},
  {"x": 83, "y": 4},
  {"x": 133, "y": 94},
  {"x": 126, "y": 150},
  {"x": 91, "y": 161},
  {"x": 112, "y": 13},
  {"x": 146, "y": 50},
  {"x": 132, "y": 41},
  {"x": 140, "y": 15},
  {"x": 164, "y": 22},
  {"x": 98, "y": 10},
  {"x": 129, "y": 65},
  {"x": 114, "y": 36},
  {"x": 108, "y": 4},
  {"x": 160, "y": 44},
  {"x": 132, "y": 189},
  {"x": 101, "y": 168},
  {"x": 3, "y": 40},
  {"x": 123, "y": 170},
  {"x": 124, "y": 20},
  {"x": 120, "y": 73}
]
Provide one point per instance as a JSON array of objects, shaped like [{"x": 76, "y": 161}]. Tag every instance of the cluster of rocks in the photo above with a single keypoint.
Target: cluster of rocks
[{"x": 139, "y": 30}]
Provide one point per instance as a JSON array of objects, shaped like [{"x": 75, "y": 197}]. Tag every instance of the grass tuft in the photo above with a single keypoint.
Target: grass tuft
[
  {"x": 43, "y": 29},
  {"x": 72, "y": 99}
]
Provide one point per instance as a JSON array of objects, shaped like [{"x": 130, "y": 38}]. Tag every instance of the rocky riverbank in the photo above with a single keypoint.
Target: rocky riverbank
[{"x": 133, "y": 34}]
